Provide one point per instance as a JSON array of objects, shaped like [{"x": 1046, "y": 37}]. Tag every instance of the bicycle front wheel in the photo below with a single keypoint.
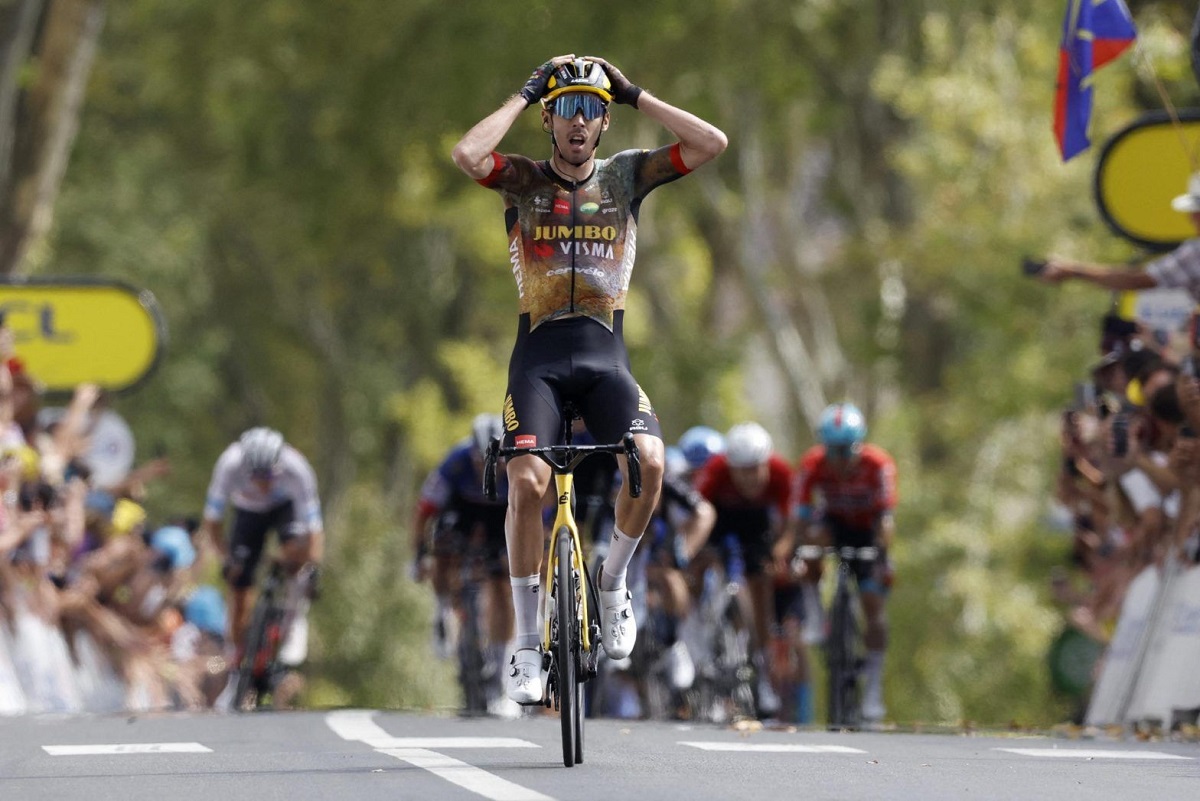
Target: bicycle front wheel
[
  {"x": 842, "y": 657},
  {"x": 568, "y": 687}
]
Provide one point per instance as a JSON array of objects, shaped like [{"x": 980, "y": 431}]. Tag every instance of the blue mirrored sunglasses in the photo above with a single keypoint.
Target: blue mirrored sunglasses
[
  {"x": 568, "y": 105},
  {"x": 841, "y": 452}
]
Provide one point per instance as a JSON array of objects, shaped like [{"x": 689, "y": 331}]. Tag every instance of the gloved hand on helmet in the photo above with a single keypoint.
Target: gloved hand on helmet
[
  {"x": 624, "y": 91},
  {"x": 535, "y": 88}
]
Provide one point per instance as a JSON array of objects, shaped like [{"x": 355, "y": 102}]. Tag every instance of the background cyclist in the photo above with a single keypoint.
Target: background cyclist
[
  {"x": 572, "y": 224},
  {"x": 750, "y": 487},
  {"x": 466, "y": 524},
  {"x": 270, "y": 485},
  {"x": 845, "y": 494}
]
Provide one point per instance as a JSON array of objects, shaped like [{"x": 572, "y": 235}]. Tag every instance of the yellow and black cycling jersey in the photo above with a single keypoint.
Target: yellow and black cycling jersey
[{"x": 572, "y": 245}]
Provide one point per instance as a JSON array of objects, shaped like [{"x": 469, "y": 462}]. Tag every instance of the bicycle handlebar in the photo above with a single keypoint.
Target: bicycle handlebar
[
  {"x": 847, "y": 553},
  {"x": 563, "y": 459}
]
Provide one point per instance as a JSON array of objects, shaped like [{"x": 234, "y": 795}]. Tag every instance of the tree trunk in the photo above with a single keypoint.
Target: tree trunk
[{"x": 38, "y": 123}]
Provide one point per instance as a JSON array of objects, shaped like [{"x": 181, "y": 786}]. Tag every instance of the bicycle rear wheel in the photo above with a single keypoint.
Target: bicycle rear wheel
[{"x": 568, "y": 687}]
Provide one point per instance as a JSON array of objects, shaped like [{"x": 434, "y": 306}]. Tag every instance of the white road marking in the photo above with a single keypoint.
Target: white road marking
[
  {"x": 357, "y": 725},
  {"x": 442, "y": 743},
  {"x": 468, "y": 777},
  {"x": 774, "y": 748},
  {"x": 1085, "y": 753},
  {"x": 126, "y": 748}
]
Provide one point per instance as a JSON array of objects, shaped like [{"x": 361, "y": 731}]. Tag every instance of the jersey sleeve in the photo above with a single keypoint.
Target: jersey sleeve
[
  {"x": 305, "y": 499},
  {"x": 510, "y": 173},
  {"x": 221, "y": 484},
  {"x": 887, "y": 494},
  {"x": 653, "y": 168},
  {"x": 781, "y": 486},
  {"x": 803, "y": 481}
]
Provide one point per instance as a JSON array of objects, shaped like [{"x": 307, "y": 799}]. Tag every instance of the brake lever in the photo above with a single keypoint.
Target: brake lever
[
  {"x": 633, "y": 456},
  {"x": 489, "y": 469}
]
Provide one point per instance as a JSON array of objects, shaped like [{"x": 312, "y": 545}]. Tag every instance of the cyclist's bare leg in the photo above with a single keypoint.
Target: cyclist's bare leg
[
  {"x": 240, "y": 603},
  {"x": 633, "y": 514},
  {"x": 499, "y": 611},
  {"x": 528, "y": 478},
  {"x": 762, "y": 605},
  {"x": 875, "y": 638},
  {"x": 875, "y": 610}
]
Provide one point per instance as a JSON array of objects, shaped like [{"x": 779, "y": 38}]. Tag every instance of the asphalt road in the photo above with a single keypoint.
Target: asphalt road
[{"x": 385, "y": 755}]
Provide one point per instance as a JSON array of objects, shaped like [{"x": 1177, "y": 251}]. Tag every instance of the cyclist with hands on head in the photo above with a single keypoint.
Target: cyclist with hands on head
[
  {"x": 572, "y": 228},
  {"x": 270, "y": 486},
  {"x": 844, "y": 496}
]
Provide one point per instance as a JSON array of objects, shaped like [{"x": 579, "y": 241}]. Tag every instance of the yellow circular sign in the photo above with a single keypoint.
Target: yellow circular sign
[
  {"x": 1138, "y": 173},
  {"x": 69, "y": 332}
]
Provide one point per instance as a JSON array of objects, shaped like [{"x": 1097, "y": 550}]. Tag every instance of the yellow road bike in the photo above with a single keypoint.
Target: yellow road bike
[{"x": 571, "y": 634}]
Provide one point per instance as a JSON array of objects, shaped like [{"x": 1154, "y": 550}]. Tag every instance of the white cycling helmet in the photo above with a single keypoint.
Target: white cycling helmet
[
  {"x": 747, "y": 445},
  {"x": 260, "y": 449},
  {"x": 484, "y": 428}
]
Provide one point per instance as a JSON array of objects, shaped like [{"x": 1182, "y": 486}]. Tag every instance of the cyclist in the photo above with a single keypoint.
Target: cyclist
[
  {"x": 572, "y": 227},
  {"x": 750, "y": 487},
  {"x": 699, "y": 444},
  {"x": 845, "y": 493},
  {"x": 468, "y": 525},
  {"x": 270, "y": 485}
]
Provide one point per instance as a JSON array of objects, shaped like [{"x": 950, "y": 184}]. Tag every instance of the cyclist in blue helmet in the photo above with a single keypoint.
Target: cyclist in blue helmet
[
  {"x": 844, "y": 496},
  {"x": 699, "y": 444}
]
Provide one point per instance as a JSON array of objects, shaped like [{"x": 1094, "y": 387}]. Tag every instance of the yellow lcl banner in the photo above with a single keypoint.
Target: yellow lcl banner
[
  {"x": 1141, "y": 168},
  {"x": 70, "y": 331}
]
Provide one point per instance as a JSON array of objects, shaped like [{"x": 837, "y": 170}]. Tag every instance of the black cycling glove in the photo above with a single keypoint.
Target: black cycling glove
[
  {"x": 535, "y": 87},
  {"x": 623, "y": 90}
]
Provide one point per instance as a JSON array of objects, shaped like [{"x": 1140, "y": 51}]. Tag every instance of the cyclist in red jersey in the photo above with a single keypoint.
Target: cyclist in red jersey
[
  {"x": 572, "y": 232},
  {"x": 845, "y": 494},
  {"x": 750, "y": 487}
]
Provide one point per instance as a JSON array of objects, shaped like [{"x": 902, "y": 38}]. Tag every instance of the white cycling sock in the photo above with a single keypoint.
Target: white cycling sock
[
  {"x": 873, "y": 669},
  {"x": 620, "y": 551},
  {"x": 525, "y": 606}
]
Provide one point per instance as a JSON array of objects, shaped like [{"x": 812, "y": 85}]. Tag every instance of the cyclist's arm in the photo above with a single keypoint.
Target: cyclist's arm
[
  {"x": 473, "y": 153},
  {"x": 697, "y": 527},
  {"x": 699, "y": 141},
  {"x": 886, "y": 530},
  {"x": 308, "y": 504},
  {"x": 217, "y": 496}
]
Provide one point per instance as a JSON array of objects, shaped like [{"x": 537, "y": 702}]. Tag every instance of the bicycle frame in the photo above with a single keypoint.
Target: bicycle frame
[{"x": 564, "y": 518}]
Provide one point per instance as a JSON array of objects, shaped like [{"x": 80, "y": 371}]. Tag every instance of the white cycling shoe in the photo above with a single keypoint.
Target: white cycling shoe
[
  {"x": 618, "y": 629},
  {"x": 524, "y": 684}
]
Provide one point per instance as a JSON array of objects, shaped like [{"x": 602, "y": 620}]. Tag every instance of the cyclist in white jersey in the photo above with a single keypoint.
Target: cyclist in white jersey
[{"x": 270, "y": 485}]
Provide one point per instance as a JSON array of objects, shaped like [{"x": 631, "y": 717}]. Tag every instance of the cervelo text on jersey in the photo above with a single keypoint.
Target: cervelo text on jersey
[{"x": 572, "y": 245}]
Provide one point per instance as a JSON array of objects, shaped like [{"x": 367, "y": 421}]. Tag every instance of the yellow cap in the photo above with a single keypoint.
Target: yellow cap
[{"x": 127, "y": 516}]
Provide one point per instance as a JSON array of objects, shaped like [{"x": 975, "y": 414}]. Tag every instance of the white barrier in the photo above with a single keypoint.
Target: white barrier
[
  {"x": 1168, "y": 682},
  {"x": 1150, "y": 669},
  {"x": 37, "y": 673}
]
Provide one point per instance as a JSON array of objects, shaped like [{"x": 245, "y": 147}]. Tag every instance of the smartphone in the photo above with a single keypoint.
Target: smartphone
[
  {"x": 1120, "y": 435},
  {"x": 1032, "y": 266}
]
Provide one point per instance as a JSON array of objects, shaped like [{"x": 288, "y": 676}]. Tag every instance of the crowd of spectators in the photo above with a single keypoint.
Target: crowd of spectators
[
  {"x": 1130, "y": 475},
  {"x": 101, "y": 609}
]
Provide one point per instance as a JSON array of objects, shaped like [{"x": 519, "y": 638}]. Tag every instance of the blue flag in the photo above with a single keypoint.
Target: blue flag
[{"x": 1094, "y": 33}]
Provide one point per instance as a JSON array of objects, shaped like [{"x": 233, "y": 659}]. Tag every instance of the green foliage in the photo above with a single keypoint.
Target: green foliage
[{"x": 279, "y": 176}]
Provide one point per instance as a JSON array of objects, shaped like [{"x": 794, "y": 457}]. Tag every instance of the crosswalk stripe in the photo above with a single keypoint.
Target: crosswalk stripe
[
  {"x": 126, "y": 748},
  {"x": 774, "y": 748},
  {"x": 1089, "y": 753}
]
